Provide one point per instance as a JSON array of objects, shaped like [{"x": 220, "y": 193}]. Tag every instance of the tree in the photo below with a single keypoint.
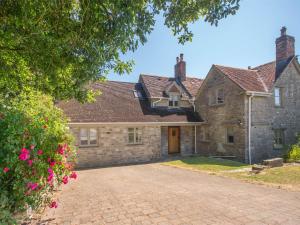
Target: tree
[{"x": 58, "y": 46}]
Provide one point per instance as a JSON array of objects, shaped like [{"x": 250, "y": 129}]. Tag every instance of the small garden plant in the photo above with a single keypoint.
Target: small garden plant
[
  {"x": 36, "y": 154},
  {"x": 293, "y": 152}
]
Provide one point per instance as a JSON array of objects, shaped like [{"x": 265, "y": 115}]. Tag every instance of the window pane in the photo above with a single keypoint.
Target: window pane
[
  {"x": 130, "y": 137},
  {"x": 130, "y": 130},
  {"x": 138, "y": 136},
  {"x": 277, "y": 96},
  {"x": 93, "y": 136},
  {"x": 83, "y": 137},
  {"x": 230, "y": 135},
  {"x": 175, "y": 103},
  {"x": 220, "y": 96},
  {"x": 170, "y": 103}
]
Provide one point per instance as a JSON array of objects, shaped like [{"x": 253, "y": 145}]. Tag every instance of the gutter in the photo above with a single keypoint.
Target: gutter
[
  {"x": 137, "y": 123},
  {"x": 195, "y": 150},
  {"x": 159, "y": 100},
  {"x": 257, "y": 93}
]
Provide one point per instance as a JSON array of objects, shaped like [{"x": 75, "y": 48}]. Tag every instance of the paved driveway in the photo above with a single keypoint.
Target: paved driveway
[{"x": 156, "y": 194}]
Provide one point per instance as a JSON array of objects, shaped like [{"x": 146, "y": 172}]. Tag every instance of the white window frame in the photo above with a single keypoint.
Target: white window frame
[
  {"x": 88, "y": 137},
  {"x": 136, "y": 132},
  {"x": 230, "y": 134},
  {"x": 279, "y": 139},
  {"x": 174, "y": 101},
  {"x": 278, "y": 97}
]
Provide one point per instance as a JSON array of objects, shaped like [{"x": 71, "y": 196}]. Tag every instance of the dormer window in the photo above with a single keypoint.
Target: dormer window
[
  {"x": 173, "y": 101},
  {"x": 137, "y": 94}
]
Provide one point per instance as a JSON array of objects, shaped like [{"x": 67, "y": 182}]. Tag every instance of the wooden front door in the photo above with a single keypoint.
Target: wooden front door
[{"x": 174, "y": 139}]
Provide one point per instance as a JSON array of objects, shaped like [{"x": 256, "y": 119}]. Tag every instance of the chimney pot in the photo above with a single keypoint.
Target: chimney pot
[
  {"x": 181, "y": 57},
  {"x": 177, "y": 59},
  {"x": 283, "y": 31}
]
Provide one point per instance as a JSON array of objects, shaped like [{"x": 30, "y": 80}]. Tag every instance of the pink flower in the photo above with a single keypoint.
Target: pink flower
[
  {"x": 65, "y": 179},
  {"x": 31, "y": 147},
  {"x": 32, "y": 186},
  {"x": 24, "y": 154},
  {"x": 53, "y": 204},
  {"x": 30, "y": 162},
  {"x": 51, "y": 175},
  {"x": 40, "y": 152},
  {"x": 52, "y": 163},
  {"x": 73, "y": 175},
  {"x": 61, "y": 149},
  {"x": 6, "y": 169}
]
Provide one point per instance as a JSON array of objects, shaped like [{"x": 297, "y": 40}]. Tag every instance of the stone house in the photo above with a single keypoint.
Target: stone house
[{"x": 245, "y": 114}]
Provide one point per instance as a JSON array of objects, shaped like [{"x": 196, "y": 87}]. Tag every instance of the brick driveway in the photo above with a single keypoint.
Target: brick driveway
[{"x": 156, "y": 194}]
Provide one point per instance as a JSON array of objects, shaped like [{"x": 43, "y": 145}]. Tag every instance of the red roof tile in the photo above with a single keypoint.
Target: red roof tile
[
  {"x": 117, "y": 103},
  {"x": 156, "y": 85}
]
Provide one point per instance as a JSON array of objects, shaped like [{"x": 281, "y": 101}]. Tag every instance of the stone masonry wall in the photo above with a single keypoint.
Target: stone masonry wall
[
  {"x": 113, "y": 147},
  {"x": 187, "y": 140},
  {"x": 266, "y": 117},
  {"x": 230, "y": 114}
]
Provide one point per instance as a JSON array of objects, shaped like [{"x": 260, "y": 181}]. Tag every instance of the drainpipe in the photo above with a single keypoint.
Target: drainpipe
[
  {"x": 195, "y": 150},
  {"x": 249, "y": 128},
  {"x": 154, "y": 103}
]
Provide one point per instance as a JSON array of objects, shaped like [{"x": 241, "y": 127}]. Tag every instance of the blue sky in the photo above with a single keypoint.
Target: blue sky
[{"x": 245, "y": 39}]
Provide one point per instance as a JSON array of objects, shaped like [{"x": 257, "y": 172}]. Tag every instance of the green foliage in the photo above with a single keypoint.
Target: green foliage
[
  {"x": 35, "y": 143},
  {"x": 57, "y": 47},
  {"x": 293, "y": 152}
]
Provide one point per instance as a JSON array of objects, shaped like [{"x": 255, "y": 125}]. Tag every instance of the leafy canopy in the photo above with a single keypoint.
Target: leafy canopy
[{"x": 58, "y": 46}]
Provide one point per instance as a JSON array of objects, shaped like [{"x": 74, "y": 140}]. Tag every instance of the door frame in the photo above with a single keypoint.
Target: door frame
[{"x": 179, "y": 150}]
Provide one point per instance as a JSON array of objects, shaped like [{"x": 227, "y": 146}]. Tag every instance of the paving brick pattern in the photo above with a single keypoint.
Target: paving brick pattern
[{"x": 156, "y": 194}]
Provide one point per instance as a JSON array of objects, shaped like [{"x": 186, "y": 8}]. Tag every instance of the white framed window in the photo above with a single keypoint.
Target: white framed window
[
  {"x": 137, "y": 94},
  {"x": 229, "y": 135},
  {"x": 88, "y": 137},
  {"x": 278, "y": 96},
  {"x": 174, "y": 101},
  {"x": 278, "y": 138},
  {"x": 135, "y": 135}
]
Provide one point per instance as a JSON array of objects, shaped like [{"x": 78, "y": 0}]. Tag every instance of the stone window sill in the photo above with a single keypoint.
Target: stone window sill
[
  {"x": 217, "y": 105},
  {"x": 88, "y": 146},
  {"x": 135, "y": 143}
]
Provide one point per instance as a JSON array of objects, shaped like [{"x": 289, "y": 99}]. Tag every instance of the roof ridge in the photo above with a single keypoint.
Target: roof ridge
[
  {"x": 264, "y": 64},
  {"x": 237, "y": 68}
]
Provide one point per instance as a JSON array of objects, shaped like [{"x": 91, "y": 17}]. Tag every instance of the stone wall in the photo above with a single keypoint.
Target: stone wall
[
  {"x": 230, "y": 114},
  {"x": 266, "y": 117},
  {"x": 187, "y": 140},
  {"x": 113, "y": 147}
]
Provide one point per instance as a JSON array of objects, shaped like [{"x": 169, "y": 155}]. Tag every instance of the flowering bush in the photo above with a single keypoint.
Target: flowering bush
[{"x": 36, "y": 154}]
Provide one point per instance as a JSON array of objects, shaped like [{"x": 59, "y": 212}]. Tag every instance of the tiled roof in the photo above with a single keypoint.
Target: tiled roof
[
  {"x": 156, "y": 85},
  {"x": 117, "y": 103},
  {"x": 260, "y": 78}
]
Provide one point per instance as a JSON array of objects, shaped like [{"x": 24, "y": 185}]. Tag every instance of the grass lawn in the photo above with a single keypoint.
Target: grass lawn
[
  {"x": 206, "y": 164},
  {"x": 287, "y": 177}
]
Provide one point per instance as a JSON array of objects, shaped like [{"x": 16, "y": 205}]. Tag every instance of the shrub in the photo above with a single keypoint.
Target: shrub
[
  {"x": 294, "y": 153},
  {"x": 36, "y": 154}
]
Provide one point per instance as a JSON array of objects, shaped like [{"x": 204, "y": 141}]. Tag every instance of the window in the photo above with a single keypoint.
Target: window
[
  {"x": 134, "y": 135},
  {"x": 220, "y": 96},
  {"x": 216, "y": 97},
  {"x": 88, "y": 137},
  {"x": 277, "y": 96},
  {"x": 138, "y": 94},
  {"x": 230, "y": 135},
  {"x": 278, "y": 138},
  {"x": 173, "y": 101}
]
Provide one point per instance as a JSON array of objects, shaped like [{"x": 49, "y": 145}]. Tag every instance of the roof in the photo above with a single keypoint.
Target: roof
[
  {"x": 117, "y": 103},
  {"x": 260, "y": 78},
  {"x": 156, "y": 85}
]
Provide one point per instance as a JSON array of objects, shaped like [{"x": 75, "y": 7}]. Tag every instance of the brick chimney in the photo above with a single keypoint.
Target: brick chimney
[
  {"x": 180, "y": 68},
  {"x": 285, "y": 46}
]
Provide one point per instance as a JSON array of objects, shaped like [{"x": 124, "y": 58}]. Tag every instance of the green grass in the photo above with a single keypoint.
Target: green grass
[
  {"x": 206, "y": 164},
  {"x": 287, "y": 177}
]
